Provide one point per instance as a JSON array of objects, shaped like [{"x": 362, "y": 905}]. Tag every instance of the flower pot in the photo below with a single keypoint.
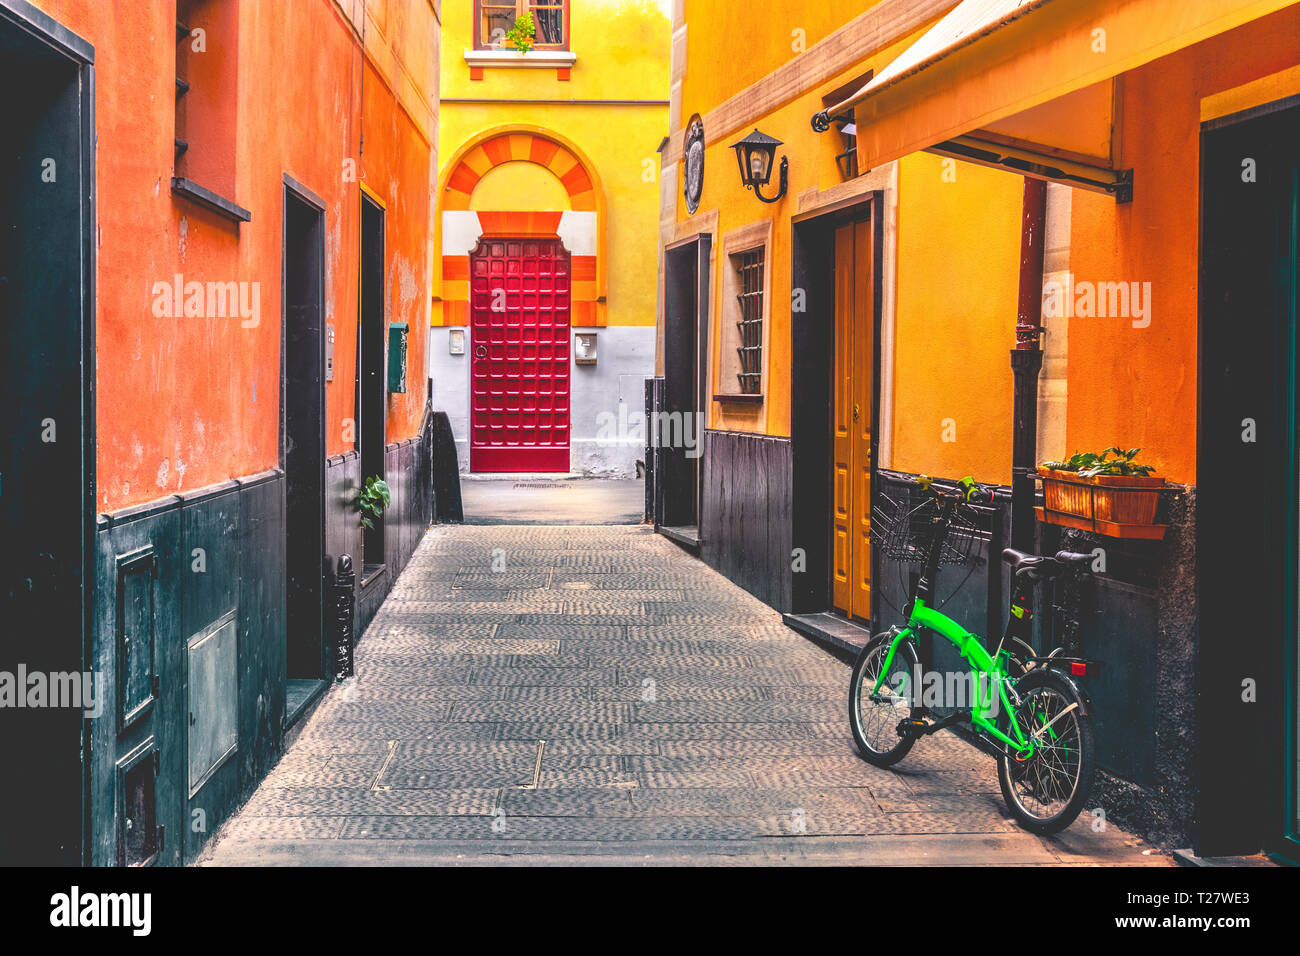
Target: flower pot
[{"x": 1119, "y": 506}]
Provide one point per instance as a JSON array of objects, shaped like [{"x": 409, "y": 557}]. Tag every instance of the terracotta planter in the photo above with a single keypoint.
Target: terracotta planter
[{"x": 1119, "y": 506}]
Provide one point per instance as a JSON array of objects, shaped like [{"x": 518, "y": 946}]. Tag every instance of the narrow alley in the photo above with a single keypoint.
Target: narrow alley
[
  {"x": 564, "y": 694},
  {"x": 649, "y": 433}
]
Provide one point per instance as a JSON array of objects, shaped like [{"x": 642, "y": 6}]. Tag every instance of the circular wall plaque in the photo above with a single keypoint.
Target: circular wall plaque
[{"x": 693, "y": 165}]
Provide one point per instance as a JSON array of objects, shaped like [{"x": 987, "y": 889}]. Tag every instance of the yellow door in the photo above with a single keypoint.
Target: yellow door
[{"x": 854, "y": 352}]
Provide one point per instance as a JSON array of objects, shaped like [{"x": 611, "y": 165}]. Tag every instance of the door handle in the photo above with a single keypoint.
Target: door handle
[
  {"x": 856, "y": 411},
  {"x": 480, "y": 351}
]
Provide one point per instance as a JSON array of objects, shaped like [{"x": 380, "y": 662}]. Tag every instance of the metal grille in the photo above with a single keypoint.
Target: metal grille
[{"x": 750, "y": 325}]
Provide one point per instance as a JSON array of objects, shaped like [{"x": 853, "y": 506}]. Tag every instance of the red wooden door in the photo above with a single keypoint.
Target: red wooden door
[{"x": 519, "y": 346}]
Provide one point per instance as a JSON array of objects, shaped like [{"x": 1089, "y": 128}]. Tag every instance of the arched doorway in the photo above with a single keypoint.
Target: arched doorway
[{"x": 521, "y": 232}]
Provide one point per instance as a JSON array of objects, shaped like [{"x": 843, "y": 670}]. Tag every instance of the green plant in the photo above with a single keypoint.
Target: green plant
[
  {"x": 521, "y": 33},
  {"x": 374, "y": 498},
  {"x": 1088, "y": 464}
]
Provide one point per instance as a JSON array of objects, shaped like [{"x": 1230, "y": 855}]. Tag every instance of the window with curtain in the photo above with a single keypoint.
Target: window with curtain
[{"x": 550, "y": 22}]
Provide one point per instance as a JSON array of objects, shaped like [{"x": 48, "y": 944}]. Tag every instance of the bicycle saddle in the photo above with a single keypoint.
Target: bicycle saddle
[{"x": 1022, "y": 559}]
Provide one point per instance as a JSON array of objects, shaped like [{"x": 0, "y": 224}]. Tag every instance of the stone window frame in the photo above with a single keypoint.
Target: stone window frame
[{"x": 737, "y": 242}]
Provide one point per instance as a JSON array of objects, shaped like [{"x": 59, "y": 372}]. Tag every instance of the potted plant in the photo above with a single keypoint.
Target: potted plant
[
  {"x": 374, "y": 498},
  {"x": 521, "y": 33},
  {"x": 1107, "y": 493}
]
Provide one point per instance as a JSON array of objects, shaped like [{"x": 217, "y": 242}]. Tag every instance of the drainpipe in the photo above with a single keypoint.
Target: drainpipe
[{"x": 1026, "y": 362}]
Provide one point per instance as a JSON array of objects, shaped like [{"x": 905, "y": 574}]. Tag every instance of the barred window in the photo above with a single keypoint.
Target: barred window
[
  {"x": 749, "y": 320},
  {"x": 744, "y": 307}
]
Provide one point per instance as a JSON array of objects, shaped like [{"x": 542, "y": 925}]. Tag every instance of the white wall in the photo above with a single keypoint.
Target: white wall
[{"x": 607, "y": 400}]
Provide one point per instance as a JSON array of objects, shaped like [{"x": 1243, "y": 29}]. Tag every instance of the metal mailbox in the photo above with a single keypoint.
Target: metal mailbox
[{"x": 397, "y": 356}]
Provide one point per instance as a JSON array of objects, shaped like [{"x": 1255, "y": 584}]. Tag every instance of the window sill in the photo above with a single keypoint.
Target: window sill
[
  {"x": 210, "y": 200},
  {"x": 513, "y": 59},
  {"x": 741, "y": 397}
]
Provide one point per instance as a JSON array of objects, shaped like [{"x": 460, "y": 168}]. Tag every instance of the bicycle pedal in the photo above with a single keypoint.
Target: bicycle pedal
[{"x": 912, "y": 727}]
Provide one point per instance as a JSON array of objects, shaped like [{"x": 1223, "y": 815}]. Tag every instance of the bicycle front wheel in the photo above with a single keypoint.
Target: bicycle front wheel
[
  {"x": 874, "y": 716},
  {"x": 1046, "y": 791}
]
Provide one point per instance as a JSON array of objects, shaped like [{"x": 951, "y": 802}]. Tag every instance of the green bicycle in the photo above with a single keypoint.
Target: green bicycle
[{"x": 1026, "y": 709}]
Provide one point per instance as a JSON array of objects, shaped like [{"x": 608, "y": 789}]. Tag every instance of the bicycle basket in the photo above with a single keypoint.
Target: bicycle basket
[{"x": 902, "y": 525}]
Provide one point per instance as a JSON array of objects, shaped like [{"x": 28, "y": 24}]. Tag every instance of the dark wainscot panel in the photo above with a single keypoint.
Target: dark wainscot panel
[
  {"x": 189, "y": 639},
  {"x": 745, "y": 531}
]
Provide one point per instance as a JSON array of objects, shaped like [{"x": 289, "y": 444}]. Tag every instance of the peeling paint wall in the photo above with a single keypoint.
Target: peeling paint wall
[{"x": 187, "y": 401}]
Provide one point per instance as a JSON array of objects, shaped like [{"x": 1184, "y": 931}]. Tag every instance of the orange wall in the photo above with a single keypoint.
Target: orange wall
[
  {"x": 397, "y": 163},
  {"x": 1138, "y": 386},
  {"x": 186, "y": 402}
]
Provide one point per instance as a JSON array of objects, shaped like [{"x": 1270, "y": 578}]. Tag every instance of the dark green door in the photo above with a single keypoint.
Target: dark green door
[
  {"x": 47, "y": 458},
  {"x": 1248, "y": 550}
]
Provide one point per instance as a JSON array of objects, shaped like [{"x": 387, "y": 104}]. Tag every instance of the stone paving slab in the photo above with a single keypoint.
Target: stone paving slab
[{"x": 609, "y": 699}]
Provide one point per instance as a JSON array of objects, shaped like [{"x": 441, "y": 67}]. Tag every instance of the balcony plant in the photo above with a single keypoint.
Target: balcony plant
[{"x": 1107, "y": 493}]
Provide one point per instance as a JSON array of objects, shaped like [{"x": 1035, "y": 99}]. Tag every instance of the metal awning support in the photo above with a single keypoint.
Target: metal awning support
[{"x": 1114, "y": 182}]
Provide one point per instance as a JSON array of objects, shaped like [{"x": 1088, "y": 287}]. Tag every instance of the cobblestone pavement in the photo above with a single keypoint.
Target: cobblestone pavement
[
  {"x": 608, "y": 698},
  {"x": 555, "y": 501}
]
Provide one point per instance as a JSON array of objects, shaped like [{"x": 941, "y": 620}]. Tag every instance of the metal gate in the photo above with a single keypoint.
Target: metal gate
[{"x": 519, "y": 379}]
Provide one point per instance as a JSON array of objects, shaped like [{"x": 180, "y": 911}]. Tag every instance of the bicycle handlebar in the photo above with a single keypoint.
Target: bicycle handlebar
[
  {"x": 967, "y": 490},
  {"x": 1074, "y": 557}
]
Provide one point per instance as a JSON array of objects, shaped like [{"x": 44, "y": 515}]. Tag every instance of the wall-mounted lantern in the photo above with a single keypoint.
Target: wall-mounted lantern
[
  {"x": 456, "y": 342},
  {"x": 755, "y": 154},
  {"x": 584, "y": 348}
]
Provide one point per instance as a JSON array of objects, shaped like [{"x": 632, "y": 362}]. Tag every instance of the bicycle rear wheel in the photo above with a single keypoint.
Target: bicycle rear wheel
[
  {"x": 1046, "y": 792},
  {"x": 874, "y": 721}
]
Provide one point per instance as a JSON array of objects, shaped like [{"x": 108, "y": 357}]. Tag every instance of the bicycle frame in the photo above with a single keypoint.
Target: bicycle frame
[{"x": 987, "y": 670}]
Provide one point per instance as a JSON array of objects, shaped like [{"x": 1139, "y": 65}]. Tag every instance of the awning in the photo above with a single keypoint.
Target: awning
[
  {"x": 989, "y": 61},
  {"x": 964, "y": 24}
]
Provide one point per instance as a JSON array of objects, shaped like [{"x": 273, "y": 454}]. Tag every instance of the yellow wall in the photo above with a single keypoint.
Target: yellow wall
[
  {"x": 955, "y": 315},
  {"x": 812, "y": 167},
  {"x": 752, "y": 38},
  {"x": 622, "y": 55},
  {"x": 503, "y": 186},
  {"x": 621, "y": 45}
]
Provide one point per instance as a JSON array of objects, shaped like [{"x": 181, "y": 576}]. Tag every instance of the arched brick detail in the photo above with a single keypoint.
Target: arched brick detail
[
  {"x": 519, "y": 145},
  {"x": 581, "y": 182}
]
